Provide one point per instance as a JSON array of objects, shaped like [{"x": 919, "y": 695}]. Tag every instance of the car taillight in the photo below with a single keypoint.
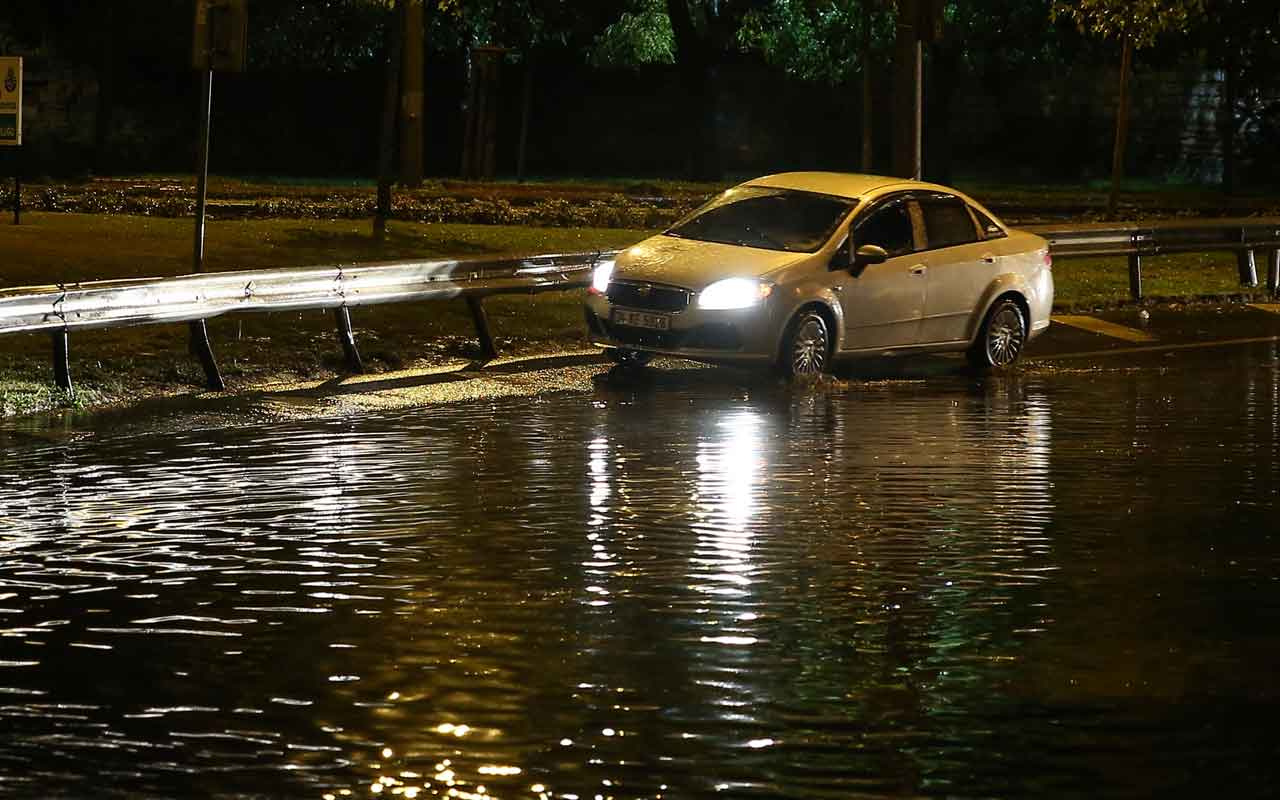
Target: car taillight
[{"x": 1048, "y": 258}]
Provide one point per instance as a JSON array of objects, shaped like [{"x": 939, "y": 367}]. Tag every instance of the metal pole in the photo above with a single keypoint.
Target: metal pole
[
  {"x": 201, "y": 349},
  {"x": 488, "y": 350},
  {"x": 1135, "y": 276},
  {"x": 199, "y": 341},
  {"x": 1247, "y": 267},
  {"x": 62, "y": 360},
  {"x": 347, "y": 338},
  {"x": 202, "y": 167},
  {"x": 918, "y": 145}
]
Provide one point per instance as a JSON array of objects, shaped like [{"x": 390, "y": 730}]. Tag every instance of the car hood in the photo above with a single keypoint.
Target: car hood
[{"x": 696, "y": 265}]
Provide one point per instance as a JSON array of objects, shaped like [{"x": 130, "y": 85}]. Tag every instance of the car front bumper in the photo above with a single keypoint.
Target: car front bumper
[{"x": 746, "y": 335}]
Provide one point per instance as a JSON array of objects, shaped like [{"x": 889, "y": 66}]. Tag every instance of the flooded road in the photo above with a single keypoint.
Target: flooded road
[{"x": 1060, "y": 581}]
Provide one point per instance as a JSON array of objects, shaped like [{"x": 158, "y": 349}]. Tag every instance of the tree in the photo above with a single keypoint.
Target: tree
[
  {"x": 832, "y": 41},
  {"x": 1242, "y": 38},
  {"x": 1135, "y": 24},
  {"x": 705, "y": 32}
]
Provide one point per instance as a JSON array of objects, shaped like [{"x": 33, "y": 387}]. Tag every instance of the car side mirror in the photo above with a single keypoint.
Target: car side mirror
[{"x": 866, "y": 255}]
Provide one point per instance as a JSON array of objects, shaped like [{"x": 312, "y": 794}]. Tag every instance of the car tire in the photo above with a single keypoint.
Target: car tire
[
  {"x": 1001, "y": 338},
  {"x": 806, "y": 349},
  {"x": 624, "y": 357}
]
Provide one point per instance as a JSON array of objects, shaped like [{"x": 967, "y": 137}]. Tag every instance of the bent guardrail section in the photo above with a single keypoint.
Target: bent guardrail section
[{"x": 61, "y": 308}]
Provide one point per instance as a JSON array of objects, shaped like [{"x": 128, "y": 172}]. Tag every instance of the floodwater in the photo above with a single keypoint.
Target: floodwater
[{"x": 1056, "y": 582}]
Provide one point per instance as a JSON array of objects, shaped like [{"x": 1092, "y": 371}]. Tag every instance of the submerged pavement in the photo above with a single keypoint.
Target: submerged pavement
[
  {"x": 1114, "y": 339},
  {"x": 1062, "y": 580}
]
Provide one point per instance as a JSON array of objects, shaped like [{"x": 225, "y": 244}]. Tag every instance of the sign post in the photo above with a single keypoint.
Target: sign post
[
  {"x": 11, "y": 122},
  {"x": 218, "y": 43}
]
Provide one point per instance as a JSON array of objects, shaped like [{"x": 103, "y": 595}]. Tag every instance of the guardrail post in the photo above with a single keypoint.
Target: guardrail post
[
  {"x": 347, "y": 338},
  {"x": 201, "y": 349},
  {"x": 488, "y": 350},
  {"x": 1248, "y": 267},
  {"x": 1273, "y": 271},
  {"x": 1135, "y": 276},
  {"x": 62, "y": 360}
]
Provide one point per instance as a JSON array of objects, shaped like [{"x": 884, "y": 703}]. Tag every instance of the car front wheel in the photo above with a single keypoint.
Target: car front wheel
[
  {"x": 1003, "y": 333},
  {"x": 806, "y": 349}
]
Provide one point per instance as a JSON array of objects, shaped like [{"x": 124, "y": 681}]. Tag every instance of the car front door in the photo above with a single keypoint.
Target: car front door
[
  {"x": 883, "y": 303},
  {"x": 960, "y": 265}
]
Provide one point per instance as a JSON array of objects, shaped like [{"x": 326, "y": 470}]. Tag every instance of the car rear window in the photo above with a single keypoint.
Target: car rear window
[
  {"x": 947, "y": 223},
  {"x": 770, "y": 219}
]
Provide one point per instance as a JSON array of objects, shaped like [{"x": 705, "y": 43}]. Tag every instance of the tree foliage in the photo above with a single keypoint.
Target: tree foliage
[
  {"x": 819, "y": 40},
  {"x": 641, "y": 35},
  {"x": 1139, "y": 21}
]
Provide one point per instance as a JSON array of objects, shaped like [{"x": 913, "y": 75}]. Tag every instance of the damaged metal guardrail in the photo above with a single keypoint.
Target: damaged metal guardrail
[
  {"x": 63, "y": 308},
  {"x": 1247, "y": 238}
]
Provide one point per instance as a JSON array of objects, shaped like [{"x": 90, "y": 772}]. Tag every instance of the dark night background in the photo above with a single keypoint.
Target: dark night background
[{"x": 764, "y": 85}]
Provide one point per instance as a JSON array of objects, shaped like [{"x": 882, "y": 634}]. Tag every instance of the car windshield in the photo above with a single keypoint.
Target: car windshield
[{"x": 770, "y": 219}]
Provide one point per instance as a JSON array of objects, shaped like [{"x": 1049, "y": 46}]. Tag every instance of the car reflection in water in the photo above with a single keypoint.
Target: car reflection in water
[{"x": 882, "y": 533}]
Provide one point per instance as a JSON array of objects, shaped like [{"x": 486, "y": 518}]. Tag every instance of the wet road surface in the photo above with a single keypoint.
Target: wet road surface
[{"x": 694, "y": 583}]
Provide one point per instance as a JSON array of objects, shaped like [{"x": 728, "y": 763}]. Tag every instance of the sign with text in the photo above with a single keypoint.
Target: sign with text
[{"x": 10, "y": 101}]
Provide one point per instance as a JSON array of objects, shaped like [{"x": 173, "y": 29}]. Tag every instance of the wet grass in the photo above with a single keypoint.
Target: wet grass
[
  {"x": 63, "y": 248},
  {"x": 1086, "y": 283}
]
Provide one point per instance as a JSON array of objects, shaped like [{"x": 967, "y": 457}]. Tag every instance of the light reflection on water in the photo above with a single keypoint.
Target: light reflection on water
[{"x": 681, "y": 587}]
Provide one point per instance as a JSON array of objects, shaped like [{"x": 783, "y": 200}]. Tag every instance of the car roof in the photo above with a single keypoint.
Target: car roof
[{"x": 840, "y": 184}]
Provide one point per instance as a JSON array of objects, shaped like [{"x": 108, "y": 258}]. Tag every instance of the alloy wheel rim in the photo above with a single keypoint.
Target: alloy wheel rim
[
  {"x": 1004, "y": 336},
  {"x": 809, "y": 353}
]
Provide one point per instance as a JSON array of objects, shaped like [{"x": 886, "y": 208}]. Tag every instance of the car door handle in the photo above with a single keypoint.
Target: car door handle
[
  {"x": 919, "y": 269},
  {"x": 989, "y": 259}
]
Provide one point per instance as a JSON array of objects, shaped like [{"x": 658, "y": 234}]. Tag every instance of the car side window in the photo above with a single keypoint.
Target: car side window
[
  {"x": 890, "y": 228},
  {"x": 947, "y": 223},
  {"x": 990, "y": 230}
]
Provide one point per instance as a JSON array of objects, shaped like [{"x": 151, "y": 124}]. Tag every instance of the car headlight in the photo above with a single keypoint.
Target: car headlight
[
  {"x": 733, "y": 293},
  {"x": 600, "y": 277}
]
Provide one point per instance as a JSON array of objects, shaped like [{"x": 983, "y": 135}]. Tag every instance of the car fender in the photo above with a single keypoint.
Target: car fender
[
  {"x": 791, "y": 299},
  {"x": 1002, "y": 284}
]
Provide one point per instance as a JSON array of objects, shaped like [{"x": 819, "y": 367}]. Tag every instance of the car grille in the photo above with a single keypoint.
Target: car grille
[
  {"x": 648, "y": 296},
  {"x": 703, "y": 337}
]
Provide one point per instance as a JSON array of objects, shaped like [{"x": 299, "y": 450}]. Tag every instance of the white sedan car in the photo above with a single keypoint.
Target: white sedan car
[{"x": 803, "y": 268}]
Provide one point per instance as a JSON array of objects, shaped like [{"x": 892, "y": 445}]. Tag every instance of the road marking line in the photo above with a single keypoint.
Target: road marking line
[
  {"x": 1274, "y": 308},
  {"x": 1159, "y": 348},
  {"x": 1095, "y": 325}
]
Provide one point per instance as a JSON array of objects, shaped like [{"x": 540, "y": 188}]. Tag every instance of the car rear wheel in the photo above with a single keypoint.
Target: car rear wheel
[
  {"x": 1003, "y": 334},
  {"x": 628, "y": 358},
  {"x": 806, "y": 349}
]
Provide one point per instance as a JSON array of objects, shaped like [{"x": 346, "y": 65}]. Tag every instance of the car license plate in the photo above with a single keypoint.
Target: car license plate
[{"x": 641, "y": 319}]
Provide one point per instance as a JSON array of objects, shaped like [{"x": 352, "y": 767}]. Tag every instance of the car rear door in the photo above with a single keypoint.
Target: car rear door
[
  {"x": 883, "y": 303},
  {"x": 960, "y": 267}
]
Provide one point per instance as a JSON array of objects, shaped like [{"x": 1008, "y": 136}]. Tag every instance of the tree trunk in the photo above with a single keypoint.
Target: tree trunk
[
  {"x": 868, "y": 123},
  {"x": 106, "y": 90},
  {"x": 387, "y": 137},
  {"x": 693, "y": 58},
  {"x": 526, "y": 110},
  {"x": 411, "y": 78},
  {"x": 1122, "y": 129},
  {"x": 907, "y": 72}
]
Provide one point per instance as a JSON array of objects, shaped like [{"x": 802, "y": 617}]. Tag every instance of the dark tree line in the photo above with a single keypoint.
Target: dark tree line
[{"x": 844, "y": 43}]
